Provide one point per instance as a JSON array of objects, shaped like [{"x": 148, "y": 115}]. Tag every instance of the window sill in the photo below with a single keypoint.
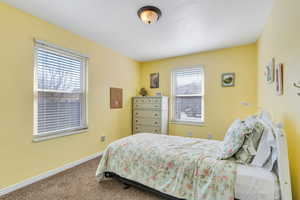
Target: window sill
[
  {"x": 187, "y": 123},
  {"x": 40, "y": 138}
]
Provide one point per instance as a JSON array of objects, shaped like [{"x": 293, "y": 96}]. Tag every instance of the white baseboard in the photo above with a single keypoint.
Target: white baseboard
[{"x": 47, "y": 174}]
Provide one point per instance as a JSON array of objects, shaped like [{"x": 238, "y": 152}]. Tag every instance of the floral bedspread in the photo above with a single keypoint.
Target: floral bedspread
[{"x": 185, "y": 168}]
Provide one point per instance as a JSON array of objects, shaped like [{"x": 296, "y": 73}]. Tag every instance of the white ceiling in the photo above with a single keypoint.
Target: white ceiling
[{"x": 186, "y": 26}]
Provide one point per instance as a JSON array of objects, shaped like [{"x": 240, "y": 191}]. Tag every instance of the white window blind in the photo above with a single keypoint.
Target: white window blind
[
  {"x": 188, "y": 91},
  {"x": 60, "y": 96}
]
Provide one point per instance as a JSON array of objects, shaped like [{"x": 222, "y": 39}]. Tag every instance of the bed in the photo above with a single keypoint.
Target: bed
[
  {"x": 248, "y": 179},
  {"x": 188, "y": 168}
]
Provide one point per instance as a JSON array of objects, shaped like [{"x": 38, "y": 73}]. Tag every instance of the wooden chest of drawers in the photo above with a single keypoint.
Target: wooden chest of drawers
[{"x": 150, "y": 115}]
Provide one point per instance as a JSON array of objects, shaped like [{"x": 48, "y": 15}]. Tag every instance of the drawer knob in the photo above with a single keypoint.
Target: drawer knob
[
  {"x": 136, "y": 120},
  {"x": 155, "y": 122}
]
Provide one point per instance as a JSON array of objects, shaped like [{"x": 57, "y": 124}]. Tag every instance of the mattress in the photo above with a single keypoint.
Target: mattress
[{"x": 253, "y": 183}]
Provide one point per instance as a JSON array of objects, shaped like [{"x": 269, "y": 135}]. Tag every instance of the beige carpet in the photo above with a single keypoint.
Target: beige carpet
[{"x": 78, "y": 183}]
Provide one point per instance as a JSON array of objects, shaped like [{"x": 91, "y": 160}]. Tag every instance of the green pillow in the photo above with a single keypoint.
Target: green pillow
[
  {"x": 234, "y": 139},
  {"x": 246, "y": 154}
]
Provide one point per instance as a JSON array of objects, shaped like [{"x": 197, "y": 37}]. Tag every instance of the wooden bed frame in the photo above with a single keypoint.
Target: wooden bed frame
[{"x": 282, "y": 161}]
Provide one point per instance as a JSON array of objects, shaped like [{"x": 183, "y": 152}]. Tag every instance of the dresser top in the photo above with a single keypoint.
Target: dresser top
[{"x": 150, "y": 97}]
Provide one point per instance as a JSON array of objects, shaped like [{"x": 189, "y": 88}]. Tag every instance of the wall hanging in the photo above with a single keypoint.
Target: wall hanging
[
  {"x": 270, "y": 71},
  {"x": 297, "y": 85},
  {"x": 228, "y": 79},
  {"x": 279, "y": 79},
  {"x": 154, "y": 80},
  {"x": 116, "y": 98}
]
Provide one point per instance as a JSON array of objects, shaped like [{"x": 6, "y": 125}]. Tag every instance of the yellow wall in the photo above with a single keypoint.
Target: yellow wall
[
  {"x": 281, "y": 40},
  {"x": 222, "y": 105},
  {"x": 20, "y": 158}
]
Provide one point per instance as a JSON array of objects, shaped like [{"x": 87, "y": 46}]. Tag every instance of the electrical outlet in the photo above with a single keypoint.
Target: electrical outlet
[
  {"x": 103, "y": 138},
  {"x": 210, "y": 136},
  {"x": 245, "y": 104},
  {"x": 189, "y": 134}
]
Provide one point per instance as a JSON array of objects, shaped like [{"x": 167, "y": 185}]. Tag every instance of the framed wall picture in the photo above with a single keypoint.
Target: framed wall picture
[
  {"x": 154, "y": 80},
  {"x": 228, "y": 79},
  {"x": 279, "y": 79},
  {"x": 270, "y": 71},
  {"x": 116, "y": 98}
]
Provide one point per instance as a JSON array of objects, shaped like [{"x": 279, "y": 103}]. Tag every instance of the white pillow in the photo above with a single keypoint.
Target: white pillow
[
  {"x": 266, "y": 154},
  {"x": 263, "y": 152},
  {"x": 250, "y": 121}
]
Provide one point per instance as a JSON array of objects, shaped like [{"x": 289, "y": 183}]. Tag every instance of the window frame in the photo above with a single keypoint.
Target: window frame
[
  {"x": 37, "y": 137},
  {"x": 173, "y": 96}
]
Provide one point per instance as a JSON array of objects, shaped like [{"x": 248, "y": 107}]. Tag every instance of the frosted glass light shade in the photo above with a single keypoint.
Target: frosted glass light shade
[{"x": 149, "y": 14}]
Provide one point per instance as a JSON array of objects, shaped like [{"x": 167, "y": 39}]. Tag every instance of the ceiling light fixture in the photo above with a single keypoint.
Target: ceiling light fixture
[{"x": 149, "y": 14}]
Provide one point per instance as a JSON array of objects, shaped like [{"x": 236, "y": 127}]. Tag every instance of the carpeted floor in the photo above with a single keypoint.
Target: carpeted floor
[{"x": 78, "y": 183}]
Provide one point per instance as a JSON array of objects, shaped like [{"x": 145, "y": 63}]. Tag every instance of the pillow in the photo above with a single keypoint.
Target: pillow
[
  {"x": 234, "y": 125},
  {"x": 263, "y": 152},
  {"x": 234, "y": 139},
  {"x": 267, "y": 150},
  {"x": 246, "y": 154},
  {"x": 250, "y": 121},
  {"x": 270, "y": 163}
]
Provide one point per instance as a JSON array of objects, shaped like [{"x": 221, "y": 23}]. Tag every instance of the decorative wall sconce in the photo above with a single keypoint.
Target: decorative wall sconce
[{"x": 297, "y": 85}]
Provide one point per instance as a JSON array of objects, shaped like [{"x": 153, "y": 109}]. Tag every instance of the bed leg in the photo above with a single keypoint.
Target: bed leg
[
  {"x": 108, "y": 175},
  {"x": 126, "y": 186}
]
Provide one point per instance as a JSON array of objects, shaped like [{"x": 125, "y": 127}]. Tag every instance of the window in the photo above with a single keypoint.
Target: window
[
  {"x": 60, "y": 97},
  {"x": 187, "y": 93}
]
